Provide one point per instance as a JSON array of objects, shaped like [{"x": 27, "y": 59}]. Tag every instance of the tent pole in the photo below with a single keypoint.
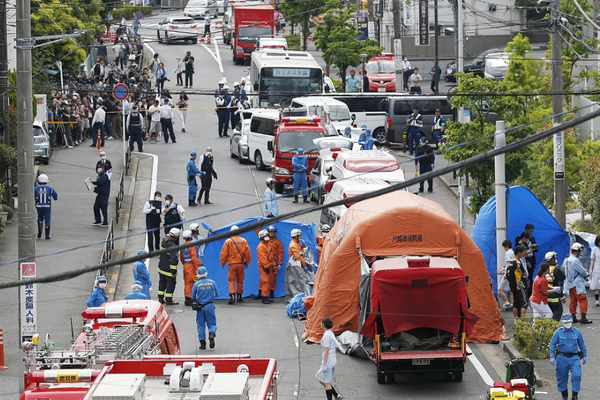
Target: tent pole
[{"x": 500, "y": 189}]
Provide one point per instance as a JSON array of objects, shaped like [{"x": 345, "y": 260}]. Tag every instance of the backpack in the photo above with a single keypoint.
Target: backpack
[{"x": 295, "y": 308}]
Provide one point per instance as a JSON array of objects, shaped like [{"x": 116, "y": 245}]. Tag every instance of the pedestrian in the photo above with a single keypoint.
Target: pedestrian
[
  {"x": 192, "y": 171},
  {"x": 435, "y": 77},
  {"x": 566, "y": 348},
  {"x": 366, "y": 140},
  {"x": 575, "y": 284},
  {"x": 182, "y": 107},
  {"x": 540, "y": 292},
  {"x": 161, "y": 77},
  {"x": 154, "y": 63},
  {"x": 104, "y": 162},
  {"x": 235, "y": 253},
  {"x": 415, "y": 82},
  {"x": 135, "y": 127},
  {"x": 328, "y": 360},
  {"x": 277, "y": 248},
  {"x": 300, "y": 166},
  {"x": 179, "y": 71},
  {"x": 101, "y": 51},
  {"x": 207, "y": 165},
  {"x": 152, "y": 210},
  {"x": 166, "y": 120},
  {"x": 276, "y": 20},
  {"x": 425, "y": 159},
  {"x": 267, "y": 265},
  {"x": 271, "y": 206},
  {"x": 167, "y": 268},
  {"x": 222, "y": 102},
  {"x": 97, "y": 297},
  {"x": 503, "y": 286},
  {"x": 321, "y": 239},
  {"x": 102, "y": 191},
  {"x": 414, "y": 123},
  {"x": 517, "y": 275},
  {"x": 204, "y": 293},
  {"x": 50, "y": 113},
  {"x": 352, "y": 82},
  {"x": 136, "y": 25},
  {"x": 595, "y": 270},
  {"x": 206, "y": 23},
  {"x": 44, "y": 194},
  {"x": 406, "y": 72},
  {"x": 533, "y": 248},
  {"x": 438, "y": 128},
  {"x": 555, "y": 277},
  {"x": 136, "y": 292},
  {"x": 190, "y": 262},
  {"x": 174, "y": 215},
  {"x": 141, "y": 274},
  {"x": 189, "y": 73},
  {"x": 112, "y": 109},
  {"x": 155, "y": 123}
]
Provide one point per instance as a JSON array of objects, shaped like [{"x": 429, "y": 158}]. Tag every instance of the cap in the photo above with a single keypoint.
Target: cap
[
  {"x": 193, "y": 154},
  {"x": 347, "y": 128},
  {"x": 300, "y": 150},
  {"x": 140, "y": 252},
  {"x": 233, "y": 228},
  {"x": 363, "y": 127},
  {"x": 101, "y": 278},
  {"x": 134, "y": 108},
  {"x": 368, "y": 131},
  {"x": 202, "y": 272},
  {"x": 566, "y": 317}
]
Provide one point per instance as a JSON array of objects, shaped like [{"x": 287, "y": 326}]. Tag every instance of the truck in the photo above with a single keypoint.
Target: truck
[
  {"x": 418, "y": 318},
  {"x": 250, "y": 23}
]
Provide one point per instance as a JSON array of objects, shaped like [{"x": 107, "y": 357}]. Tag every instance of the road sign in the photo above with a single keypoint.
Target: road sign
[
  {"x": 422, "y": 38},
  {"x": 218, "y": 24},
  {"x": 28, "y": 302},
  {"x": 121, "y": 91},
  {"x": 139, "y": 15}
]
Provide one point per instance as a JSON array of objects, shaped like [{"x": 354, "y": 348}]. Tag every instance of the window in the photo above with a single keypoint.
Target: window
[
  {"x": 317, "y": 167},
  {"x": 365, "y": 103},
  {"x": 262, "y": 125},
  {"x": 403, "y": 107}
]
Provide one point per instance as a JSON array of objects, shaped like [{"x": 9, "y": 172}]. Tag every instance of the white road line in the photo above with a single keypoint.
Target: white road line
[
  {"x": 149, "y": 48},
  {"x": 256, "y": 189},
  {"x": 487, "y": 379},
  {"x": 152, "y": 189},
  {"x": 294, "y": 335},
  {"x": 210, "y": 52},
  {"x": 218, "y": 53}
]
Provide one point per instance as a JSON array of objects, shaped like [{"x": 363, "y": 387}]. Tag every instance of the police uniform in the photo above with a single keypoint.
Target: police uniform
[
  {"x": 152, "y": 209},
  {"x": 207, "y": 165},
  {"x": 173, "y": 218},
  {"x": 44, "y": 194},
  {"x": 438, "y": 124},
  {"x": 102, "y": 191},
  {"x": 414, "y": 131},
  {"x": 167, "y": 271},
  {"x": 300, "y": 166},
  {"x": 192, "y": 171},
  {"x": 565, "y": 344},
  {"x": 204, "y": 293},
  {"x": 425, "y": 158},
  {"x": 141, "y": 274},
  {"x": 135, "y": 127},
  {"x": 222, "y": 102}
]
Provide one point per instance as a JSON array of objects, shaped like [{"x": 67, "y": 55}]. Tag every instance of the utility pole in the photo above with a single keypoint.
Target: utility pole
[
  {"x": 500, "y": 189},
  {"x": 435, "y": 44},
  {"x": 557, "y": 109},
  {"x": 458, "y": 25},
  {"x": 4, "y": 89}
]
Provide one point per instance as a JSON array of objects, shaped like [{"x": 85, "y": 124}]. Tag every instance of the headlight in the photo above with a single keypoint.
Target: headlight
[
  {"x": 282, "y": 171},
  {"x": 239, "y": 49},
  {"x": 393, "y": 80}
]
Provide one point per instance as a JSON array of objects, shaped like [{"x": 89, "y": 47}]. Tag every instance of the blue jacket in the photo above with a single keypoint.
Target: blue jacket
[
  {"x": 102, "y": 185},
  {"x": 576, "y": 275},
  {"x": 199, "y": 249},
  {"x": 366, "y": 141},
  {"x": 271, "y": 205},
  {"x": 192, "y": 169},
  {"x": 44, "y": 195},
  {"x": 299, "y": 163},
  {"x": 97, "y": 297},
  {"x": 136, "y": 295},
  {"x": 205, "y": 291},
  {"x": 568, "y": 341},
  {"x": 140, "y": 273}
]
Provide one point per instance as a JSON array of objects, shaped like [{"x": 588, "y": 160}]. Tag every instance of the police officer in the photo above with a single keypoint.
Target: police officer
[
  {"x": 566, "y": 348},
  {"x": 414, "y": 123},
  {"x": 219, "y": 90},
  {"x": 152, "y": 210},
  {"x": 189, "y": 259},
  {"x": 267, "y": 265},
  {"x": 207, "y": 165},
  {"x": 44, "y": 194},
  {"x": 98, "y": 296},
  {"x": 104, "y": 162},
  {"x": 192, "y": 171},
  {"x": 366, "y": 140},
  {"x": 555, "y": 277},
  {"x": 136, "y": 292},
  {"x": 174, "y": 215},
  {"x": 438, "y": 128},
  {"x": 270, "y": 198},
  {"x": 204, "y": 293},
  {"x": 167, "y": 268},
  {"x": 426, "y": 162},
  {"x": 222, "y": 100},
  {"x": 135, "y": 127},
  {"x": 575, "y": 284},
  {"x": 141, "y": 275},
  {"x": 299, "y": 166},
  {"x": 102, "y": 191},
  {"x": 240, "y": 91}
]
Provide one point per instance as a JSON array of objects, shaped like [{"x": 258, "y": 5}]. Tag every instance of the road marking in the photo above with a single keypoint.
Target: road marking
[
  {"x": 153, "y": 182},
  {"x": 256, "y": 189},
  {"x": 149, "y": 48},
  {"x": 294, "y": 335},
  {"x": 218, "y": 53},
  {"x": 487, "y": 379},
  {"x": 210, "y": 52}
]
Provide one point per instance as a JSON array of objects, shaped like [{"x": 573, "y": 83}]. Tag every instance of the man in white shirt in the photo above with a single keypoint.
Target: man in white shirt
[
  {"x": 166, "y": 121},
  {"x": 415, "y": 82},
  {"x": 98, "y": 125},
  {"x": 406, "y": 72},
  {"x": 154, "y": 112}
]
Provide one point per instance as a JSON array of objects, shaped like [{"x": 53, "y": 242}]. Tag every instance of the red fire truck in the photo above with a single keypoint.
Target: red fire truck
[{"x": 250, "y": 23}]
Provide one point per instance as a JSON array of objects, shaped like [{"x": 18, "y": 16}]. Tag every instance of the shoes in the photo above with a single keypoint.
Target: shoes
[
  {"x": 239, "y": 298},
  {"x": 231, "y": 299},
  {"x": 104, "y": 225},
  {"x": 420, "y": 190},
  {"x": 430, "y": 190},
  {"x": 272, "y": 294},
  {"x": 584, "y": 320},
  {"x": 188, "y": 301},
  {"x": 192, "y": 203},
  {"x": 339, "y": 397},
  {"x": 305, "y": 200},
  {"x": 266, "y": 301},
  {"x": 110, "y": 138},
  {"x": 97, "y": 223},
  {"x": 171, "y": 303},
  {"x": 258, "y": 296},
  {"x": 161, "y": 300},
  {"x": 597, "y": 303},
  {"x": 92, "y": 145},
  {"x": 69, "y": 147},
  {"x": 208, "y": 202},
  {"x": 182, "y": 129},
  {"x": 211, "y": 339},
  {"x": 174, "y": 141},
  {"x": 203, "y": 345},
  {"x": 295, "y": 199},
  {"x": 225, "y": 135}
]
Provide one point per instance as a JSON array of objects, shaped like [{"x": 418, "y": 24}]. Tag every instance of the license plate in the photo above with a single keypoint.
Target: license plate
[
  {"x": 381, "y": 89},
  {"x": 421, "y": 361},
  {"x": 448, "y": 71}
]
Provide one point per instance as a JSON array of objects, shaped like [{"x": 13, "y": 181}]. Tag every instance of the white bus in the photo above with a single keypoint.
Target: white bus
[{"x": 277, "y": 76}]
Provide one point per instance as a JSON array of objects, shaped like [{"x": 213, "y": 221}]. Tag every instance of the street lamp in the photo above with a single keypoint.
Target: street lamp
[{"x": 363, "y": 59}]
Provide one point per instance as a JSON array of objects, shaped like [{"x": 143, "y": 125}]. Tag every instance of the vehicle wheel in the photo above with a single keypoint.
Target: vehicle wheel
[
  {"x": 195, "y": 40},
  {"x": 380, "y": 378},
  {"x": 278, "y": 188},
  {"x": 236, "y": 60},
  {"x": 167, "y": 41},
  {"x": 240, "y": 159},
  {"x": 458, "y": 376},
  {"x": 258, "y": 161},
  {"x": 380, "y": 135},
  {"x": 231, "y": 150},
  {"x": 158, "y": 37},
  {"x": 391, "y": 378},
  {"x": 45, "y": 161}
]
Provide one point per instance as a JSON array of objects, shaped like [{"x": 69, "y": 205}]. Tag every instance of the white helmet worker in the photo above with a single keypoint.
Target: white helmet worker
[
  {"x": 43, "y": 178},
  {"x": 174, "y": 232},
  {"x": 296, "y": 233},
  {"x": 577, "y": 247},
  {"x": 233, "y": 228},
  {"x": 269, "y": 181},
  {"x": 236, "y": 83},
  {"x": 194, "y": 227},
  {"x": 263, "y": 234},
  {"x": 187, "y": 235},
  {"x": 550, "y": 255}
]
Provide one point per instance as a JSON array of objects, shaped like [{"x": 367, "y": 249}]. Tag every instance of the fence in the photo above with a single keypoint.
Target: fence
[{"x": 109, "y": 246}]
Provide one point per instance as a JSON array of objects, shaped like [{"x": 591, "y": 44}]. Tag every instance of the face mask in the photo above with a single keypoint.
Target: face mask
[
  {"x": 568, "y": 325},
  {"x": 99, "y": 170},
  {"x": 102, "y": 285},
  {"x": 103, "y": 158},
  {"x": 209, "y": 153},
  {"x": 167, "y": 202},
  {"x": 267, "y": 239},
  {"x": 157, "y": 198}
]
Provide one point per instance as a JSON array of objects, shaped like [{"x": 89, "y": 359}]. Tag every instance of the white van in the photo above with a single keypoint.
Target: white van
[
  {"x": 339, "y": 114},
  {"x": 368, "y": 109},
  {"x": 262, "y": 131}
]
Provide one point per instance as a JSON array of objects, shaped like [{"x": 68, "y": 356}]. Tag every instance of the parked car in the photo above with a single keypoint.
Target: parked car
[
  {"x": 474, "y": 65},
  {"x": 177, "y": 28},
  {"x": 197, "y": 8},
  {"x": 238, "y": 142},
  {"x": 329, "y": 148},
  {"x": 495, "y": 66},
  {"x": 228, "y": 26},
  {"x": 380, "y": 74},
  {"x": 277, "y": 43},
  {"x": 42, "y": 150},
  {"x": 347, "y": 188},
  {"x": 375, "y": 164},
  {"x": 368, "y": 109}
]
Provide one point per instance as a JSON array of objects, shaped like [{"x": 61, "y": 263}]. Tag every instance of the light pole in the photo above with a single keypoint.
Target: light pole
[{"x": 363, "y": 60}]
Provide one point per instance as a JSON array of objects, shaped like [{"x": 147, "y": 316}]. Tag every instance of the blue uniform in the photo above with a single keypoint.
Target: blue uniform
[
  {"x": 366, "y": 141},
  {"x": 414, "y": 131},
  {"x": 97, "y": 297},
  {"x": 199, "y": 249},
  {"x": 567, "y": 342},
  {"x": 137, "y": 295},
  {"x": 438, "y": 124},
  {"x": 43, "y": 202},
  {"x": 271, "y": 206},
  {"x": 140, "y": 273},
  {"x": 204, "y": 293},
  {"x": 300, "y": 166},
  {"x": 192, "y": 171}
]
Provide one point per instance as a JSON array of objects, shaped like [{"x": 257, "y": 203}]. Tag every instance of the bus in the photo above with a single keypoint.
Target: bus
[{"x": 277, "y": 76}]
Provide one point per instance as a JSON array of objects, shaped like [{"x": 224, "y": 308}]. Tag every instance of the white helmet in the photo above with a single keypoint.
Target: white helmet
[
  {"x": 577, "y": 247},
  {"x": 263, "y": 234},
  {"x": 270, "y": 180},
  {"x": 325, "y": 228},
  {"x": 43, "y": 178},
  {"x": 550, "y": 255},
  {"x": 174, "y": 232},
  {"x": 243, "y": 80},
  {"x": 187, "y": 235},
  {"x": 296, "y": 233},
  {"x": 225, "y": 87},
  {"x": 233, "y": 228},
  {"x": 221, "y": 82},
  {"x": 236, "y": 83},
  {"x": 194, "y": 227}
]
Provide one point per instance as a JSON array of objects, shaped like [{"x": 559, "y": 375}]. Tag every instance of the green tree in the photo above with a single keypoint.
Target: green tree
[
  {"x": 301, "y": 12},
  {"x": 333, "y": 20}
]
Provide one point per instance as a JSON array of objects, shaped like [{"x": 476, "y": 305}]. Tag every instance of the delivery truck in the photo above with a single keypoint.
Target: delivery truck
[{"x": 250, "y": 23}]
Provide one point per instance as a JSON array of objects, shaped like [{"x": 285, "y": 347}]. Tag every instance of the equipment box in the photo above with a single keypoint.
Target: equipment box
[{"x": 225, "y": 386}]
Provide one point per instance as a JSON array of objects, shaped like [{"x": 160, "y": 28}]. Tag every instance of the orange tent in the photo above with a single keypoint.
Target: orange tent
[{"x": 395, "y": 224}]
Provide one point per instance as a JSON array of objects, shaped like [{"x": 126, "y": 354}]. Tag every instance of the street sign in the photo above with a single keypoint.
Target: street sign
[
  {"x": 121, "y": 91},
  {"x": 218, "y": 24},
  {"x": 28, "y": 302},
  {"x": 398, "y": 64},
  {"x": 139, "y": 15},
  {"x": 409, "y": 12},
  {"x": 559, "y": 156},
  {"x": 423, "y": 27}
]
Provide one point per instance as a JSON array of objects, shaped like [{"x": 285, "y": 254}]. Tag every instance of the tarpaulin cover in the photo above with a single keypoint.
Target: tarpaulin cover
[
  {"x": 212, "y": 254},
  {"x": 416, "y": 297},
  {"x": 395, "y": 224},
  {"x": 522, "y": 207}
]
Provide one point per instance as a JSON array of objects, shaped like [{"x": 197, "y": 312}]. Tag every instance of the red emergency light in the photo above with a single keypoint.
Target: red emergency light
[
  {"x": 346, "y": 195},
  {"x": 329, "y": 185},
  {"x": 300, "y": 120},
  {"x": 114, "y": 312},
  {"x": 64, "y": 376},
  {"x": 418, "y": 262}
]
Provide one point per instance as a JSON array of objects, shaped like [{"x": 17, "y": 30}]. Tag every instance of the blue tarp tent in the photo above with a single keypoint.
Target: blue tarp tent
[
  {"x": 212, "y": 254},
  {"x": 522, "y": 207}
]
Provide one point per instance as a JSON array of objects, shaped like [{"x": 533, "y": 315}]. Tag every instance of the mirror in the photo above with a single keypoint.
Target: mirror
[{"x": 353, "y": 116}]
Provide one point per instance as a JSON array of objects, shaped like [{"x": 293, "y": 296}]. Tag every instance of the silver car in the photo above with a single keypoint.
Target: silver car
[
  {"x": 197, "y": 8},
  {"x": 42, "y": 150},
  {"x": 177, "y": 28},
  {"x": 238, "y": 142}
]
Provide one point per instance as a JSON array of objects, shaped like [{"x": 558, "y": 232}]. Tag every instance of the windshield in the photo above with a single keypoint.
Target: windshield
[
  {"x": 288, "y": 82},
  {"x": 371, "y": 164},
  {"x": 336, "y": 112},
  {"x": 331, "y": 143},
  {"x": 291, "y": 141},
  {"x": 496, "y": 63},
  {"x": 250, "y": 33},
  {"x": 381, "y": 67},
  {"x": 37, "y": 131}
]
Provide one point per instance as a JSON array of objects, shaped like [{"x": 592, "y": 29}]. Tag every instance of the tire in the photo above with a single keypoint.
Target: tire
[
  {"x": 167, "y": 41},
  {"x": 380, "y": 378},
  {"x": 380, "y": 135},
  {"x": 195, "y": 40},
  {"x": 391, "y": 377},
  {"x": 236, "y": 60},
  {"x": 240, "y": 159},
  {"x": 458, "y": 376},
  {"x": 231, "y": 150},
  {"x": 158, "y": 37},
  {"x": 278, "y": 188},
  {"x": 258, "y": 161}
]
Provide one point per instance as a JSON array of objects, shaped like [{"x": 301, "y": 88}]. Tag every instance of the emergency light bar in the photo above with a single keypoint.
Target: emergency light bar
[
  {"x": 64, "y": 376},
  {"x": 418, "y": 262},
  {"x": 114, "y": 311},
  {"x": 300, "y": 120}
]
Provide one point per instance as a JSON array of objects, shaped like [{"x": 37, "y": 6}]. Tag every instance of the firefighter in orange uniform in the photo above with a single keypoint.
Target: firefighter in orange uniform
[
  {"x": 277, "y": 248},
  {"x": 296, "y": 247},
  {"x": 236, "y": 253},
  {"x": 189, "y": 259},
  {"x": 321, "y": 239},
  {"x": 266, "y": 266}
]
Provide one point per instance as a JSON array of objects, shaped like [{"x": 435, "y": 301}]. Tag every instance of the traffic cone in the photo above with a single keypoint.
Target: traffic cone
[
  {"x": 2, "y": 366},
  {"x": 310, "y": 38},
  {"x": 202, "y": 39},
  {"x": 207, "y": 39}
]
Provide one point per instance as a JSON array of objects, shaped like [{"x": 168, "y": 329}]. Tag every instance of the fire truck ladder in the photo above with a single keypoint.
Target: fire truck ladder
[{"x": 127, "y": 341}]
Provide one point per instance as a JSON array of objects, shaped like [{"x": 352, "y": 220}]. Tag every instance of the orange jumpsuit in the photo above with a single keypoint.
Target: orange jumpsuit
[
  {"x": 294, "y": 250},
  {"x": 277, "y": 250},
  {"x": 266, "y": 267},
  {"x": 189, "y": 259},
  {"x": 320, "y": 243},
  {"x": 236, "y": 253}
]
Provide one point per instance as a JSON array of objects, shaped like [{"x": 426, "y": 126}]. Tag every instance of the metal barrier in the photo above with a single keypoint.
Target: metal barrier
[
  {"x": 109, "y": 246},
  {"x": 127, "y": 160},
  {"x": 119, "y": 197}
]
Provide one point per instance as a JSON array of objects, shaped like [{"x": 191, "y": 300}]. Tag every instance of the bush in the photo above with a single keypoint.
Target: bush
[
  {"x": 127, "y": 12},
  {"x": 293, "y": 41},
  {"x": 583, "y": 225},
  {"x": 532, "y": 336},
  {"x": 339, "y": 87}
]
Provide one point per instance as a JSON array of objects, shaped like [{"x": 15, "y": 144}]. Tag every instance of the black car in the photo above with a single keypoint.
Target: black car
[{"x": 473, "y": 65}]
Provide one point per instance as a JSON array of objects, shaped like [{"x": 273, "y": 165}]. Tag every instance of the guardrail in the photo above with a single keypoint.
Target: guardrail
[
  {"x": 119, "y": 197},
  {"x": 108, "y": 247},
  {"x": 127, "y": 160}
]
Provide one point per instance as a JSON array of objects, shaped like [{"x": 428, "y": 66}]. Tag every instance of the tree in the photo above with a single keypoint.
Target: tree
[
  {"x": 301, "y": 12},
  {"x": 589, "y": 190}
]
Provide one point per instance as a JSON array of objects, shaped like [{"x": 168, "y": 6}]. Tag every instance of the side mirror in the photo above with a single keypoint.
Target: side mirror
[
  {"x": 270, "y": 146},
  {"x": 353, "y": 116}
]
